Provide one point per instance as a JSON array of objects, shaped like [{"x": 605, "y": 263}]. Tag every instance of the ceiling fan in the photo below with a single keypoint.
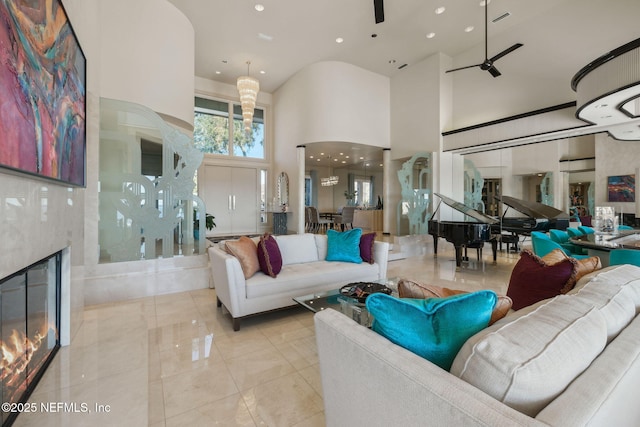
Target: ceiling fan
[
  {"x": 487, "y": 65},
  {"x": 378, "y": 10}
]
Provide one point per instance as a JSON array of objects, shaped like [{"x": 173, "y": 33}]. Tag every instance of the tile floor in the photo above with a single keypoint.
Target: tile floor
[{"x": 174, "y": 360}]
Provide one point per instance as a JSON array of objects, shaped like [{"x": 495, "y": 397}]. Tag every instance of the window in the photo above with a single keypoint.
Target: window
[
  {"x": 214, "y": 133},
  {"x": 363, "y": 185}
]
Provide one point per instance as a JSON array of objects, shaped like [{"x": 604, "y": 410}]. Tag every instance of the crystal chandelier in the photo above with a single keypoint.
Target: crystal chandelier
[
  {"x": 248, "y": 87},
  {"x": 329, "y": 181}
]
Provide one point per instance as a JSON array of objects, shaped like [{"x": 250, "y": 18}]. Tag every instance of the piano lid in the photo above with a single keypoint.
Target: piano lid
[
  {"x": 461, "y": 207},
  {"x": 533, "y": 209}
]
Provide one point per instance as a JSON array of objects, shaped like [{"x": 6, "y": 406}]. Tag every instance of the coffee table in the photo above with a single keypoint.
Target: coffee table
[{"x": 350, "y": 307}]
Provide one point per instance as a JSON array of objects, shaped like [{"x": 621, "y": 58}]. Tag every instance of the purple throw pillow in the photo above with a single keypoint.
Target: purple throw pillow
[
  {"x": 269, "y": 256},
  {"x": 366, "y": 247},
  {"x": 533, "y": 280}
]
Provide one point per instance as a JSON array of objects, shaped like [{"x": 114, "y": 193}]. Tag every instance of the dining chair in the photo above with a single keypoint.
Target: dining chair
[
  {"x": 542, "y": 245},
  {"x": 624, "y": 256},
  {"x": 345, "y": 219}
]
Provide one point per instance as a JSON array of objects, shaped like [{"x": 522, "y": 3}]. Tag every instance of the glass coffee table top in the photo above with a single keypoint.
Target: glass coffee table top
[{"x": 348, "y": 306}]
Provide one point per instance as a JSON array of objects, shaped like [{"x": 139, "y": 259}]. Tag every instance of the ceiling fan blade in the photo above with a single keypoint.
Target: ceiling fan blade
[
  {"x": 505, "y": 52},
  {"x": 463, "y": 68},
  {"x": 378, "y": 9},
  {"x": 494, "y": 71}
]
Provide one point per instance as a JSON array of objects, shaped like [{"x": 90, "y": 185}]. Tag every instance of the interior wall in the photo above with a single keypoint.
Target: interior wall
[
  {"x": 416, "y": 104},
  {"x": 363, "y": 117},
  {"x": 147, "y": 50},
  {"x": 614, "y": 158}
]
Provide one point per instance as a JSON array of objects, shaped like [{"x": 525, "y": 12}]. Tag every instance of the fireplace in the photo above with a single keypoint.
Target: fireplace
[{"x": 29, "y": 329}]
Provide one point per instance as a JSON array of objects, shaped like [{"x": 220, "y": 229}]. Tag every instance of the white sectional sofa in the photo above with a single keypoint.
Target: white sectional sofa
[
  {"x": 572, "y": 360},
  {"x": 304, "y": 271}
]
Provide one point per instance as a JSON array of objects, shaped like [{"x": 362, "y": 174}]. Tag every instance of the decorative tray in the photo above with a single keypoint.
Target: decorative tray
[{"x": 361, "y": 290}]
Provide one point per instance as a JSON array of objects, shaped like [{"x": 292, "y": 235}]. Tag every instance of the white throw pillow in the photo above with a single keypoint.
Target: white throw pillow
[{"x": 297, "y": 248}]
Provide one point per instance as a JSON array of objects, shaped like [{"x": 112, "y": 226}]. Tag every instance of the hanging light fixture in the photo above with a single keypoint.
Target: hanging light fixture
[
  {"x": 329, "y": 180},
  {"x": 248, "y": 87}
]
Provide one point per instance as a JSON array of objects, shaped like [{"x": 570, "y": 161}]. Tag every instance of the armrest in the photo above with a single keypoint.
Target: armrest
[
  {"x": 381, "y": 257},
  {"x": 367, "y": 380},
  {"x": 228, "y": 280}
]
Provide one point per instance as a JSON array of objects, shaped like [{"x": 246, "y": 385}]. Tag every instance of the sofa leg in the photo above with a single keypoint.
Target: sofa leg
[
  {"x": 236, "y": 324},
  {"x": 218, "y": 302}
]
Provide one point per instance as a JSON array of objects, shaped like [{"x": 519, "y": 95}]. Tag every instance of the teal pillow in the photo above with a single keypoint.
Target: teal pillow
[
  {"x": 344, "y": 246},
  {"x": 434, "y": 328}
]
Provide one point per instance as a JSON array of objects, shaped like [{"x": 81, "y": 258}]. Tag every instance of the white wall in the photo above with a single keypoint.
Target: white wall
[
  {"x": 419, "y": 103},
  {"x": 312, "y": 107},
  {"x": 615, "y": 158},
  {"x": 147, "y": 57}
]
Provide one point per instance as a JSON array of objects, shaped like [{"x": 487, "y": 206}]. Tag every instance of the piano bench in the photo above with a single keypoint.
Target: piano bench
[{"x": 509, "y": 239}]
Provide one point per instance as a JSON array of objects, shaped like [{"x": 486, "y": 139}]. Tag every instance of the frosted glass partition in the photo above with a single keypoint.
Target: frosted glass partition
[
  {"x": 416, "y": 181},
  {"x": 473, "y": 184},
  {"x": 546, "y": 189},
  {"x": 147, "y": 169}
]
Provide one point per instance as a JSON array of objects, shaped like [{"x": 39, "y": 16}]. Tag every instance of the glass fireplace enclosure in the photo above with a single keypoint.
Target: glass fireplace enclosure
[{"x": 30, "y": 320}]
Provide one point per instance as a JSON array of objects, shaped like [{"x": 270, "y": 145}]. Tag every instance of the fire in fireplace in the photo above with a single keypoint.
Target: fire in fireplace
[{"x": 29, "y": 325}]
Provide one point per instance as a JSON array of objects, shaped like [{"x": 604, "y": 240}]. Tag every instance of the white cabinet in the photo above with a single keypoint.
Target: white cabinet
[{"x": 231, "y": 195}]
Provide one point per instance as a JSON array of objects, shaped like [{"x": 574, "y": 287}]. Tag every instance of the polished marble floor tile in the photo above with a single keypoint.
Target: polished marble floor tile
[{"x": 174, "y": 360}]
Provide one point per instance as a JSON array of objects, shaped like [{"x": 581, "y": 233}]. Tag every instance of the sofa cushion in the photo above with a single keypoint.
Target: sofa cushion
[
  {"x": 344, "y": 246},
  {"x": 432, "y": 328},
  {"x": 529, "y": 361},
  {"x": 269, "y": 256},
  {"x": 533, "y": 280},
  {"x": 366, "y": 247},
  {"x": 411, "y": 289},
  {"x": 305, "y": 278},
  {"x": 247, "y": 253},
  {"x": 297, "y": 248}
]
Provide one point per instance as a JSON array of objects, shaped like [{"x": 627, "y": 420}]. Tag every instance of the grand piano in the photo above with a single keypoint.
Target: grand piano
[
  {"x": 471, "y": 233},
  {"x": 538, "y": 217}
]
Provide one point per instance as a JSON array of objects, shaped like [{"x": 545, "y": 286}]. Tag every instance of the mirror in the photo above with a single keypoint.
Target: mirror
[{"x": 282, "y": 189}]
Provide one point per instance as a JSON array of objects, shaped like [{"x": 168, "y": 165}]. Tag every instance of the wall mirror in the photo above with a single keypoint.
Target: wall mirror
[{"x": 283, "y": 189}]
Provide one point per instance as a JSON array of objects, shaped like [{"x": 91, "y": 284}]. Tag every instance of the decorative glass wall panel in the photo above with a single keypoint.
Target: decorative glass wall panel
[
  {"x": 147, "y": 168},
  {"x": 473, "y": 184},
  {"x": 416, "y": 181}
]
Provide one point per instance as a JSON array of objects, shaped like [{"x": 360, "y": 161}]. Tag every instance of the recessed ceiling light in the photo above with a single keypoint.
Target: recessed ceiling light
[
  {"x": 469, "y": 29},
  {"x": 342, "y": 154},
  {"x": 311, "y": 157},
  {"x": 263, "y": 72},
  {"x": 344, "y": 161},
  {"x": 259, "y": 7},
  {"x": 431, "y": 35},
  {"x": 218, "y": 72},
  {"x": 484, "y": 2},
  {"x": 361, "y": 158},
  {"x": 440, "y": 10},
  {"x": 318, "y": 160},
  {"x": 339, "y": 40},
  {"x": 263, "y": 36},
  {"x": 346, "y": 157}
]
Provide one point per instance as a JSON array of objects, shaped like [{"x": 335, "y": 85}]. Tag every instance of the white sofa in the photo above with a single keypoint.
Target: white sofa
[
  {"x": 572, "y": 360},
  {"x": 304, "y": 271}
]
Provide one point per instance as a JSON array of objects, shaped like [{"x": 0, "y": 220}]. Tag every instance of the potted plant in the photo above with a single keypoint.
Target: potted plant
[
  {"x": 350, "y": 197},
  {"x": 209, "y": 223}
]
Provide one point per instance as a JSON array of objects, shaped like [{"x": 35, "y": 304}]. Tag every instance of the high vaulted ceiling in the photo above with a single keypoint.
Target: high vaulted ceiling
[{"x": 559, "y": 36}]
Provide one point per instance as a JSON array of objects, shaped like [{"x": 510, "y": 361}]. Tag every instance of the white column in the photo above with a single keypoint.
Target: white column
[
  {"x": 299, "y": 212},
  {"x": 386, "y": 190}
]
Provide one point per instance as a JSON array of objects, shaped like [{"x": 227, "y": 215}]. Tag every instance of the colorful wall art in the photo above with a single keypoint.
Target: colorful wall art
[
  {"x": 42, "y": 92},
  {"x": 621, "y": 188}
]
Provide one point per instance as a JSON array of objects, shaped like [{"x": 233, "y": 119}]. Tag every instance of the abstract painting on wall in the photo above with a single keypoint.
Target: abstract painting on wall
[
  {"x": 42, "y": 92},
  {"x": 621, "y": 188}
]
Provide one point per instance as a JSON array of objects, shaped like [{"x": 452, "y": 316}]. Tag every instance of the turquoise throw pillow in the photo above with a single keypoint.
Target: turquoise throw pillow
[
  {"x": 344, "y": 246},
  {"x": 434, "y": 328}
]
